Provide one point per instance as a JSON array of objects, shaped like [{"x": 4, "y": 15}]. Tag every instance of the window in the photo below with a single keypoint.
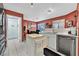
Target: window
[
  {"x": 41, "y": 27},
  {"x": 58, "y": 24}
]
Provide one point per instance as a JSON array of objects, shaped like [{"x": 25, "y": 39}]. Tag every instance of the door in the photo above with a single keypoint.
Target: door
[{"x": 12, "y": 30}]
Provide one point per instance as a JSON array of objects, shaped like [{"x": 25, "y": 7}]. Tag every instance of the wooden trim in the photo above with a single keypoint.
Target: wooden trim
[
  {"x": 13, "y": 13},
  {"x": 71, "y": 12}
]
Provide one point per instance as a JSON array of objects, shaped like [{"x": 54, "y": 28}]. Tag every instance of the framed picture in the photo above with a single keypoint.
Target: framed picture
[{"x": 69, "y": 23}]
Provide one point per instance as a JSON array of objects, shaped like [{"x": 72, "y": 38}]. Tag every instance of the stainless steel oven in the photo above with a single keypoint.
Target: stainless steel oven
[{"x": 66, "y": 45}]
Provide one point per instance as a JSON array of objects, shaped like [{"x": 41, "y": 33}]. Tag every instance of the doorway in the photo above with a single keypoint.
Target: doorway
[
  {"x": 14, "y": 28},
  {"x": 13, "y": 35}
]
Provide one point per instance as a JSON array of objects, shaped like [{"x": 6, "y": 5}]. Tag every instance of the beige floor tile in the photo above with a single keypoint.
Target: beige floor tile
[{"x": 16, "y": 48}]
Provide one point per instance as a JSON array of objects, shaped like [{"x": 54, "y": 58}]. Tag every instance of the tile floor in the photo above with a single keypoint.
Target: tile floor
[{"x": 16, "y": 48}]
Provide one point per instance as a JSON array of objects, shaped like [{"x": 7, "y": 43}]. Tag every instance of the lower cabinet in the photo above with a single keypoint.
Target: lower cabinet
[
  {"x": 36, "y": 46},
  {"x": 51, "y": 40}
]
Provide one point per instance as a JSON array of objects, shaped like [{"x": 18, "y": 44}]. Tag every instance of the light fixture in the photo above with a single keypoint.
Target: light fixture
[
  {"x": 32, "y": 4},
  {"x": 50, "y": 10}
]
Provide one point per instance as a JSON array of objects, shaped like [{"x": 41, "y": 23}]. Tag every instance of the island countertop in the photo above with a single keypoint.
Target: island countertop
[
  {"x": 35, "y": 36},
  {"x": 36, "y": 43}
]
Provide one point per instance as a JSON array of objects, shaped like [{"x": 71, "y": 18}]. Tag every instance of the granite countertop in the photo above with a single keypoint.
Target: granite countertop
[{"x": 34, "y": 36}]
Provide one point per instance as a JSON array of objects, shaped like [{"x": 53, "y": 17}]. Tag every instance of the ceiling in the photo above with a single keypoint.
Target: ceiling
[{"x": 41, "y": 11}]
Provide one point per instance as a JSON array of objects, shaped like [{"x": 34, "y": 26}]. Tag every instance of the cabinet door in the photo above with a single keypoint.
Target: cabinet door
[
  {"x": 38, "y": 48},
  {"x": 52, "y": 41},
  {"x": 45, "y": 42}
]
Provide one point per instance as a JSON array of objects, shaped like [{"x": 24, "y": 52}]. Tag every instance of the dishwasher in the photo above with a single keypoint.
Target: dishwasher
[{"x": 66, "y": 45}]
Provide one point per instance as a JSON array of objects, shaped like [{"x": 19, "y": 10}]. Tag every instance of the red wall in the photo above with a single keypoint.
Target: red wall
[
  {"x": 26, "y": 23},
  {"x": 69, "y": 16}
]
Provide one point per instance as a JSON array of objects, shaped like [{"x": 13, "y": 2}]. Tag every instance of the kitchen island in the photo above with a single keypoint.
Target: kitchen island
[
  {"x": 52, "y": 42},
  {"x": 36, "y": 44}
]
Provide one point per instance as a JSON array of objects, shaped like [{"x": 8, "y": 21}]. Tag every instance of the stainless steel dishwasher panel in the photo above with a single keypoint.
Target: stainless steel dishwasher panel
[{"x": 66, "y": 45}]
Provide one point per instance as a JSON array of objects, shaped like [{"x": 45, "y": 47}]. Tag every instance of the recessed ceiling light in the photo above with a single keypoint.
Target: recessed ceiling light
[
  {"x": 50, "y": 10},
  {"x": 32, "y": 4}
]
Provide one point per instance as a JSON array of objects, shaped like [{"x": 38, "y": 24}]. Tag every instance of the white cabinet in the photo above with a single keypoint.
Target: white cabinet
[{"x": 51, "y": 40}]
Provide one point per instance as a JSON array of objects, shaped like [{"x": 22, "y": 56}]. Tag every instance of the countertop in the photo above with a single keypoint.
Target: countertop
[
  {"x": 35, "y": 36},
  {"x": 65, "y": 34}
]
